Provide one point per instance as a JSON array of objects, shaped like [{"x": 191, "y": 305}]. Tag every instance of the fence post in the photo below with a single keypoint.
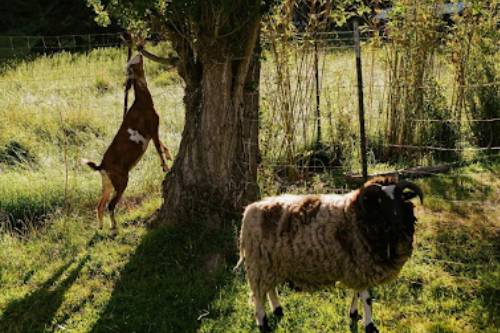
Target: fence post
[
  {"x": 361, "y": 106},
  {"x": 318, "y": 107}
]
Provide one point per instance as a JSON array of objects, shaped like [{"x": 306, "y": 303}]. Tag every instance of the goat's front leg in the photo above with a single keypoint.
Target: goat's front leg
[
  {"x": 160, "y": 148},
  {"x": 367, "y": 315},
  {"x": 166, "y": 152}
]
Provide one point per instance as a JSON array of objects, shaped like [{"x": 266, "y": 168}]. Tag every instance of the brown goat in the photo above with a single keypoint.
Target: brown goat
[{"x": 139, "y": 126}]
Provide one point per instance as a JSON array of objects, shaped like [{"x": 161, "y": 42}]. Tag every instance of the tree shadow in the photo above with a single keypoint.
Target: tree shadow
[
  {"x": 169, "y": 281},
  {"x": 468, "y": 249},
  {"x": 35, "y": 312}
]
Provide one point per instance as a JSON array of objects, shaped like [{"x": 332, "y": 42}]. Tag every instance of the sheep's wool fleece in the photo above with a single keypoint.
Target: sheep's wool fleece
[{"x": 311, "y": 241}]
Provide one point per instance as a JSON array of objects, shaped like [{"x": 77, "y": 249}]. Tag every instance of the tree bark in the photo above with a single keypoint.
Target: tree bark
[{"x": 214, "y": 174}]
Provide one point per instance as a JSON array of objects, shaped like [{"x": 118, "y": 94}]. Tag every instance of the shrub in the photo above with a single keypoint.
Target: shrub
[{"x": 15, "y": 153}]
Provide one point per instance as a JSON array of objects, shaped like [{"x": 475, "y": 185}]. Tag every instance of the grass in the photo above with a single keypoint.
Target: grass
[{"x": 58, "y": 274}]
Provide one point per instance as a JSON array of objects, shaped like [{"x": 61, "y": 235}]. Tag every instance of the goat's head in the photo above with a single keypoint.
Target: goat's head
[
  {"x": 387, "y": 216},
  {"x": 134, "y": 70}
]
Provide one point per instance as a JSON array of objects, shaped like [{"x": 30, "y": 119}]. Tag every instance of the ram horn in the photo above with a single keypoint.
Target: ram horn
[{"x": 404, "y": 184}]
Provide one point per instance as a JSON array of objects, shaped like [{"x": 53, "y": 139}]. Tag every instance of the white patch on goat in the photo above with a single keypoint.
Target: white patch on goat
[
  {"x": 136, "y": 137},
  {"x": 367, "y": 315},
  {"x": 389, "y": 190}
]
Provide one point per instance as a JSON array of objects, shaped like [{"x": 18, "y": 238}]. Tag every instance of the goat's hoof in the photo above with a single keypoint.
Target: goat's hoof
[
  {"x": 264, "y": 328},
  {"x": 278, "y": 312},
  {"x": 165, "y": 168},
  {"x": 355, "y": 316},
  {"x": 370, "y": 328}
]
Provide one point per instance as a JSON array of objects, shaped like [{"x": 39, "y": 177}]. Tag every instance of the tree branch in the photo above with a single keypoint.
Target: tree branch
[
  {"x": 249, "y": 47},
  {"x": 153, "y": 57}
]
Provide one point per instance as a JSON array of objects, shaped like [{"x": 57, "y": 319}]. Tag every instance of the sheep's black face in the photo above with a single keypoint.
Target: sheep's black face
[{"x": 388, "y": 219}]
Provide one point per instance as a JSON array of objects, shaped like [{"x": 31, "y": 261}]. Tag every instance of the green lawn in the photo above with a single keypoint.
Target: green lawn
[{"x": 58, "y": 274}]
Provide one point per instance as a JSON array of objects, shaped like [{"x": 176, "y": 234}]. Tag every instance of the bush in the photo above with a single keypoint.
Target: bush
[{"x": 15, "y": 153}]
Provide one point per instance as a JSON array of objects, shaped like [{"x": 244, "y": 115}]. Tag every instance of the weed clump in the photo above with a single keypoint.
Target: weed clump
[
  {"x": 15, "y": 153},
  {"x": 102, "y": 86}
]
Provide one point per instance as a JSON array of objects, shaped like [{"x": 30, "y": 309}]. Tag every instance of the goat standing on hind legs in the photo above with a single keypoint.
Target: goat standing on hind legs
[{"x": 139, "y": 126}]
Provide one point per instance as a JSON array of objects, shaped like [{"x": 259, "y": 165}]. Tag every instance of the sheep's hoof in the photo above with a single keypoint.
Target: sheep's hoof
[
  {"x": 370, "y": 328},
  {"x": 278, "y": 312},
  {"x": 264, "y": 328},
  {"x": 113, "y": 232},
  {"x": 355, "y": 316}
]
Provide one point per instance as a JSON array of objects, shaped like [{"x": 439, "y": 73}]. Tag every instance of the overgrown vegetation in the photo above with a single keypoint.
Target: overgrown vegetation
[{"x": 431, "y": 84}]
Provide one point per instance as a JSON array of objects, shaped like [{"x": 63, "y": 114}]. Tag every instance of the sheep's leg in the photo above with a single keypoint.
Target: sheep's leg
[
  {"x": 260, "y": 313},
  {"x": 367, "y": 316},
  {"x": 107, "y": 188},
  {"x": 275, "y": 303},
  {"x": 353, "y": 309}
]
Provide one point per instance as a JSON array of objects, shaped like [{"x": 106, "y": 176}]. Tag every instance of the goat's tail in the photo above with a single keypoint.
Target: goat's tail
[{"x": 91, "y": 164}]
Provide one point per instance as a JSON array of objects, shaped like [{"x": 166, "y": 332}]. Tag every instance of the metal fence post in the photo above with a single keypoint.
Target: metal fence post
[
  {"x": 318, "y": 93},
  {"x": 361, "y": 106}
]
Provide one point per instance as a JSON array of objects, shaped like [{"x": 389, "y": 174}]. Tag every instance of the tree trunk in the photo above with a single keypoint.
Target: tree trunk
[{"x": 215, "y": 171}]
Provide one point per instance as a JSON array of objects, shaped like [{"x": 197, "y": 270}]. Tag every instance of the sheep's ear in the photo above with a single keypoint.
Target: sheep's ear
[{"x": 370, "y": 197}]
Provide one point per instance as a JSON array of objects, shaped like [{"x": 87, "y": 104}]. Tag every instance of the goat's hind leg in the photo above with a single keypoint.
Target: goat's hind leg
[
  {"x": 107, "y": 188},
  {"x": 120, "y": 184}
]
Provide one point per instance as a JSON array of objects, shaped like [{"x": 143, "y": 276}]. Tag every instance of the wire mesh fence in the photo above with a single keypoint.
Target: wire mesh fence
[{"x": 309, "y": 101}]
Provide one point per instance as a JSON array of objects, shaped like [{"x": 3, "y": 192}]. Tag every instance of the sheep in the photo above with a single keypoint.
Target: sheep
[
  {"x": 361, "y": 239},
  {"x": 139, "y": 126}
]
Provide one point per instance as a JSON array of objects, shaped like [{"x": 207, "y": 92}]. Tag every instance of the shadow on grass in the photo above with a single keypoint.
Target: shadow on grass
[
  {"x": 168, "y": 282},
  {"x": 458, "y": 187},
  {"x": 468, "y": 247},
  {"x": 35, "y": 312}
]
